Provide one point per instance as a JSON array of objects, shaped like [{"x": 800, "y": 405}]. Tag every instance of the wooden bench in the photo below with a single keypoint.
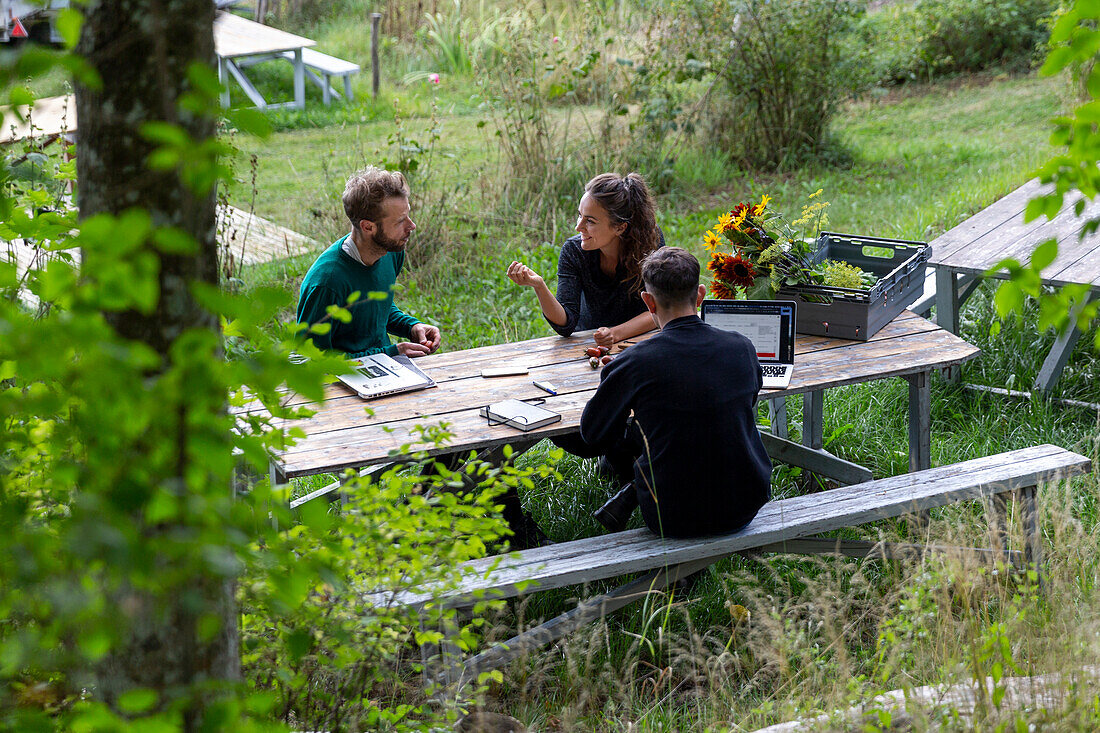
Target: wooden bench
[
  {"x": 788, "y": 525},
  {"x": 328, "y": 67}
]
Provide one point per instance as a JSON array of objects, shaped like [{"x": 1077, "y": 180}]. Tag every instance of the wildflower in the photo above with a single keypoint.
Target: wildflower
[
  {"x": 770, "y": 254},
  {"x": 724, "y": 221},
  {"x": 736, "y": 270},
  {"x": 758, "y": 210},
  {"x": 716, "y": 260},
  {"x": 740, "y": 213},
  {"x": 711, "y": 241},
  {"x": 722, "y": 291},
  {"x": 555, "y": 39},
  {"x": 433, "y": 78}
]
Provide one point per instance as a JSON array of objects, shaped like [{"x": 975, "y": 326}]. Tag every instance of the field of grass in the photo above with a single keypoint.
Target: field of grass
[{"x": 821, "y": 633}]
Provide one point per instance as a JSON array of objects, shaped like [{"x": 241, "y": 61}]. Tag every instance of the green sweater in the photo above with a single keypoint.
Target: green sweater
[{"x": 334, "y": 277}]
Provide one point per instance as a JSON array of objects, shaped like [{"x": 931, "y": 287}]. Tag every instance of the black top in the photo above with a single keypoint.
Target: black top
[
  {"x": 693, "y": 390},
  {"x": 590, "y": 298}
]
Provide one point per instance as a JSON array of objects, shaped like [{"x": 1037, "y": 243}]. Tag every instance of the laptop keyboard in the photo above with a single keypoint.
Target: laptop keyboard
[{"x": 774, "y": 370}]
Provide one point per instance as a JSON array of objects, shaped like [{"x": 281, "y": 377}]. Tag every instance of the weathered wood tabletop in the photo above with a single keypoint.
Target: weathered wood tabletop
[
  {"x": 343, "y": 435},
  {"x": 963, "y": 254},
  {"x": 237, "y": 39}
]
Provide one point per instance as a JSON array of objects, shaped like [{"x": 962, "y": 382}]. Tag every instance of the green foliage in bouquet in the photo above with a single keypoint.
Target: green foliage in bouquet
[{"x": 765, "y": 253}]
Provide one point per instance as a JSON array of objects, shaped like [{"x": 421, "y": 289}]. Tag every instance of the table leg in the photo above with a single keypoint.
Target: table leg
[
  {"x": 299, "y": 80},
  {"x": 777, "y": 416},
  {"x": 813, "y": 429},
  {"x": 1056, "y": 360},
  {"x": 920, "y": 421},
  {"x": 223, "y": 79},
  {"x": 326, "y": 89},
  {"x": 947, "y": 300}
]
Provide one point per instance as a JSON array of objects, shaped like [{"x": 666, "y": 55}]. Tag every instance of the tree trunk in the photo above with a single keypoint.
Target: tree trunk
[{"x": 142, "y": 50}]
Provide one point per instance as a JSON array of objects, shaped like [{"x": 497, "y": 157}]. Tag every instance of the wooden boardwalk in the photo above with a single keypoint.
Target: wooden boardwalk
[
  {"x": 251, "y": 239},
  {"x": 242, "y": 238}
]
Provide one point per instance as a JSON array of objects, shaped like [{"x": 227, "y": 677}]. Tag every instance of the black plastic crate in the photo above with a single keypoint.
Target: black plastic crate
[{"x": 858, "y": 314}]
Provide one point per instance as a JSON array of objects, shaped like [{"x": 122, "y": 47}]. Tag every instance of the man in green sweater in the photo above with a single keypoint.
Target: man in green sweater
[{"x": 366, "y": 262}]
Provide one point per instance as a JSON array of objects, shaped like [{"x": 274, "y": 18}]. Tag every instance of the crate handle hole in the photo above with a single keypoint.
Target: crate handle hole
[{"x": 882, "y": 253}]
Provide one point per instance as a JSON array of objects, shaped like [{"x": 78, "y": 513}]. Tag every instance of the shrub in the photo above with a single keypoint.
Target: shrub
[
  {"x": 786, "y": 67},
  {"x": 946, "y": 36}
]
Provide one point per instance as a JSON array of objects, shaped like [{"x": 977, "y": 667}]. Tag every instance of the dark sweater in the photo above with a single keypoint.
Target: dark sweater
[
  {"x": 590, "y": 298},
  {"x": 334, "y": 277},
  {"x": 702, "y": 467}
]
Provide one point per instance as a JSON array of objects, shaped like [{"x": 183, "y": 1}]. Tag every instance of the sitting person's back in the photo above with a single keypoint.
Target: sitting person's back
[{"x": 701, "y": 466}]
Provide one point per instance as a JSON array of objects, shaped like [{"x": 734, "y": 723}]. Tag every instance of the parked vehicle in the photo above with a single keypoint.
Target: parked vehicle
[{"x": 25, "y": 19}]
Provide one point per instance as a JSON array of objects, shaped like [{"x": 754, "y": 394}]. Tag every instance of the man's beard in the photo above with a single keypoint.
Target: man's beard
[{"x": 390, "y": 245}]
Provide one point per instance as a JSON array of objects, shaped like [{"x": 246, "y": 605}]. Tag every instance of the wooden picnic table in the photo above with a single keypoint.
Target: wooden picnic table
[
  {"x": 237, "y": 40},
  {"x": 342, "y": 435},
  {"x": 965, "y": 253}
]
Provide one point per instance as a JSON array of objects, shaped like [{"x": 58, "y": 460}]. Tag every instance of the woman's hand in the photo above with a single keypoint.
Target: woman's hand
[
  {"x": 521, "y": 274},
  {"x": 604, "y": 336}
]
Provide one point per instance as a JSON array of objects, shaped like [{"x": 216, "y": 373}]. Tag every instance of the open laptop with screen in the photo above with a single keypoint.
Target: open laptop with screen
[
  {"x": 769, "y": 324},
  {"x": 378, "y": 374}
]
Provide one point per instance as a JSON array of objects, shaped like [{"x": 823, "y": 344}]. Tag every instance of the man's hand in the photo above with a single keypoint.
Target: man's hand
[
  {"x": 521, "y": 274},
  {"x": 427, "y": 336},
  {"x": 604, "y": 337},
  {"x": 412, "y": 350}
]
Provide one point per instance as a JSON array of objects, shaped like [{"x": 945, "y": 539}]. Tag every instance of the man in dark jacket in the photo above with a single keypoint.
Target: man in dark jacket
[{"x": 684, "y": 402}]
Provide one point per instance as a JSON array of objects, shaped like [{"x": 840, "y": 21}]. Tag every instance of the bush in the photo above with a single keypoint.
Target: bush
[
  {"x": 786, "y": 67},
  {"x": 947, "y": 36}
]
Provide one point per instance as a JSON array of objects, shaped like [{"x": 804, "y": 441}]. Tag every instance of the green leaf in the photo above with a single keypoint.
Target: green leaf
[
  {"x": 175, "y": 241},
  {"x": 165, "y": 133},
  {"x": 68, "y": 22},
  {"x": 250, "y": 120},
  {"x": 298, "y": 643},
  {"x": 137, "y": 700},
  {"x": 1044, "y": 254},
  {"x": 21, "y": 96},
  {"x": 94, "y": 643},
  {"x": 1009, "y": 298},
  {"x": 35, "y": 61}
]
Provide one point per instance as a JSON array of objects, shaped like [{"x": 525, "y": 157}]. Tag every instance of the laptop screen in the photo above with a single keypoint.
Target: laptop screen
[{"x": 769, "y": 324}]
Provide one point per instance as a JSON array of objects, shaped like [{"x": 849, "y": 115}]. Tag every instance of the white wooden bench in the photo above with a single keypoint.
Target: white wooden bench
[
  {"x": 788, "y": 525},
  {"x": 328, "y": 67}
]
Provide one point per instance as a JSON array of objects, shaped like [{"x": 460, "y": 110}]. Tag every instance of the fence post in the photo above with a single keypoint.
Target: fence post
[{"x": 374, "y": 70}]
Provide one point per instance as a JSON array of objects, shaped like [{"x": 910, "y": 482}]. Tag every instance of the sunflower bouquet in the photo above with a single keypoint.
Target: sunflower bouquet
[{"x": 754, "y": 252}]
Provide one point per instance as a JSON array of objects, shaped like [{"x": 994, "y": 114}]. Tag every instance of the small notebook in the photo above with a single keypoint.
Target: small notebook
[
  {"x": 379, "y": 374},
  {"x": 520, "y": 415}
]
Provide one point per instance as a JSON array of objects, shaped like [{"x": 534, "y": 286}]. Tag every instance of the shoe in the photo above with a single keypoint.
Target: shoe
[
  {"x": 685, "y": 584},
  {"x": 528, "y": 536},
  {"x": 614, "y": 514}
]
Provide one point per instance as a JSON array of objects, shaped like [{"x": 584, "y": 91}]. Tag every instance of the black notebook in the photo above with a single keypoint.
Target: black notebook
[{"x": 520, "y": 415}]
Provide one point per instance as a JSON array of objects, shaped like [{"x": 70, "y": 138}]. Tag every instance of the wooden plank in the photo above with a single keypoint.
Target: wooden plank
[
  {"x": 602, "y": 557},
  {"x": 235, "y": 36},
  {"x": 816, "y": 461},
  {"x": 1015, "y": 240},
  {"x": 251, "y": 239},
  {"x": 47, "y": 117},
  {"x": 1001, "y": 211}
]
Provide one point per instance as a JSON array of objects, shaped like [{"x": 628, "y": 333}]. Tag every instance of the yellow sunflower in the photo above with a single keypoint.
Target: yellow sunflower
[
  {"x": 758, "y": 210},
  {"x": 724, "y": 221},
  {"x": 711, "y": 241}
]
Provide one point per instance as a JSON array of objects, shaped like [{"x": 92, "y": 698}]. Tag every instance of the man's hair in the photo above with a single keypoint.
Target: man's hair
[
  {"x": 671, "y": 276},
  {"x": 366, "y": 190}
]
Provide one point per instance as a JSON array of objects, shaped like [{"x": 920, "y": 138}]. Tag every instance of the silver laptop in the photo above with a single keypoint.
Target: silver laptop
[
  {"x": 769, "y": 324},
  {"x": 378, "y": 374}
]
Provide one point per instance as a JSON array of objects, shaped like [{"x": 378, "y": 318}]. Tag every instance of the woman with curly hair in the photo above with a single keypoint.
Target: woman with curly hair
[{"x": 599, "y": 268}]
